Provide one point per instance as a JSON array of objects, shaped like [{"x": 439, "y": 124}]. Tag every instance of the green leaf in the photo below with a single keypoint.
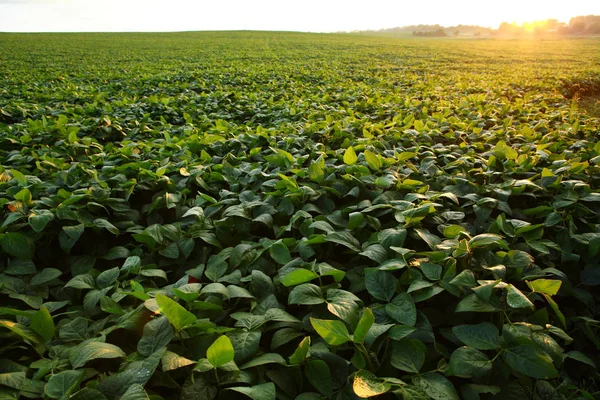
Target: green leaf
[
  {"x": 345, "y": 239},
  {"x": 297, "y": 277},
  {"x": 84, "y": 281},
  {"x": 267, "y": 358},
  {"x": 42, "y": 323},
  {"x": 306, "y": 294},
  {"x": 157, "y": 333},
  {"x": 319, "y": 375},
  {"x": 517, "y": 259},
  {"x": 373, "y": 161},
  {"x": 87, "y": 394},
  {"x": 350, "y": 157},
  {"x": 45, "y": 276},
  {"x": 24, "y": 332},
  {"x": 316, "y": 173},
  {"x": 403, "y": 309},
  {"x": 579, "y": 356},
  {"x": 482, "y": 336},
  {"x": 467, "y": 362},
  {"x": 61, "y": 385},
  {"x": 136, "y": 372},
  {"x": 21, "y": 179},
  {"x": 355, "y": 220},
  {"x": 171, "y": 361},
  {"x": 178, "y": 316},
  {"x": 17, "y": 245},
  {"x": 408, "y": 355},
  {"x": 399, "y": 332},
  {"x": 528, "y": 359},
  {"x": 436, "y": 386},
  {"x": 484, "y": 240},
  {"x": 15, "y": 380},
  {"x": 366, "y": 385},
  {"x": 375, "y": 252},
  {"x": 363, "y": 326},
  {"x": 334, "y": 332},
  {"x": 380, "y": 284},
  {"x": 90, "y": 350},
  {"x": 545, "y": 286},
  {"x": 102, "y": 223},
  {"x": 301, "y": 351},
  {"x": 108, "y": 277},
  {"x": 474, "y": 303},
  {"x": 280, "y": 253},
  {"x": 516, "y": 299},
  {"x": 38, "y": 219},
  {"x": 220, "y": 352},
  {"x": 245, "y": 344},
  {"x": 264, "y": 391}
]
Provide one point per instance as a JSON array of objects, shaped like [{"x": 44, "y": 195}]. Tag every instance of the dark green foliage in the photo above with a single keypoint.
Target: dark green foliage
[{"x": 193, "y": 216}]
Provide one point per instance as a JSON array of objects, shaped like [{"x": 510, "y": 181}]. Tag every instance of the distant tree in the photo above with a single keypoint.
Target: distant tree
[{"x": 456, "y": 32}]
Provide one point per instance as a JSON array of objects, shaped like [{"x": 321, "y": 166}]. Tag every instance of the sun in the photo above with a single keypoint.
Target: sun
[{"x": 529, "y": 12}]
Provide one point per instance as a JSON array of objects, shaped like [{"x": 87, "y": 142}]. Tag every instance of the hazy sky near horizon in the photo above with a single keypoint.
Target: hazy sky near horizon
[{"x": 307, "y": 15}]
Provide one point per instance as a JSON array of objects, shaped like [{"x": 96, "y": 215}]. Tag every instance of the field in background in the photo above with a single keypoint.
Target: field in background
[{"x": 299, "y": 216}]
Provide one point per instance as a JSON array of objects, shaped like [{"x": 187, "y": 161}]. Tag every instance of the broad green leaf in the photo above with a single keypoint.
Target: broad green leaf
[
  {"x": 372, "y": 160},
  {"x": 301, "y": 352},
  {"x": 45, "y": 276},
  {"x": 90, "y": 350},
  {"x": 17, "y": 245},
  {"x": 319, "y": 376},
  {"x": 482, "y": 336},
  {"x": 484, "y": 240},
  {"x": 220, "y": 352},
  {"x": 316, "y": 173},
  {"x": 350, "y": 157},
  {"x": 267, "y": 358},
  {"x": 366, "y": 385},
  {"x": 14, "y": 379},
  {"x": 43, "y": 324},
  {"x": 467, "y": 362},
  {"x": 108, "y": 277},
  {"x": 516, "y": 299},
  {"x": 399, "y": 332},
  {"x": 436, "y": 386},
  {"x": 306, "y": 294},
  {"x": 39, "y": 219},
  {"x": 245, "y": 344},
  {"x": 528, "y": 359},
  {"x": 380, "y": 284},
  {"x": 364, "y": 324},
  {"x": 136, "y": 372},
  {"x": 23, "y": 331},
  {"x": 84, "y": 281},
  {"x": 280, "y": 253},
  {"x": 297, "y": 277},
  {"x": 171, "y": 361},
  {"x": 61, "y": 385},
  {"x": 474, "y": 303},
  {"x": 408, "y": 355},
  {"x": 87, "y": 394},
  {"x": 264, "y": 391},
  {"x": 334, "y": 332},
  {"x": 178, "y": 316},
  {"x": 545, "y": 286},
  {"x": 402, "y": 309},
  {"x": 157, "y": 333},
  {"x": 517, "y": 259}
]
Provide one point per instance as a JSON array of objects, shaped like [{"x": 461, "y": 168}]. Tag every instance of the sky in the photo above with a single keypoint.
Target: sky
[{"x": 283, "y": 15}]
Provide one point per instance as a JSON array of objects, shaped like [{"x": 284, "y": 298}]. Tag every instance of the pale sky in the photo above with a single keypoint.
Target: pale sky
[{"x": 285, "y": 15}]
